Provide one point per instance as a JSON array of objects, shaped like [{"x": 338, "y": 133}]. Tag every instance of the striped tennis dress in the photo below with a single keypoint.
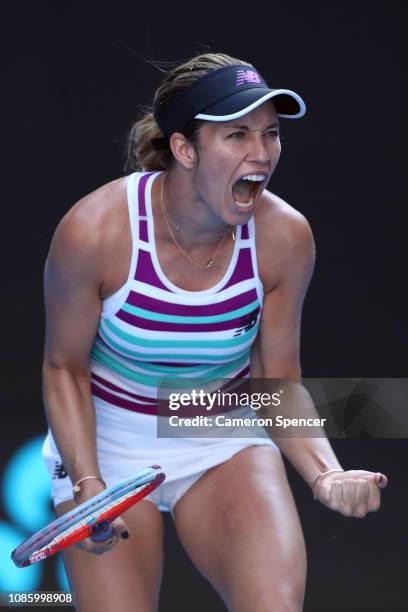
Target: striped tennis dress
[{"x": 151, "y": 330}]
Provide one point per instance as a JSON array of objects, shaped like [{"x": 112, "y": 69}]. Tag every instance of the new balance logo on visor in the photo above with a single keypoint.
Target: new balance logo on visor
[{"x": 247, "y": 76}]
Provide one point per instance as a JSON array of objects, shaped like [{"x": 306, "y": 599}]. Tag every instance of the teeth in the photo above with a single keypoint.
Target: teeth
[
  {"x": 246, "y": 204},
  {"x": 254, "y": 177}
]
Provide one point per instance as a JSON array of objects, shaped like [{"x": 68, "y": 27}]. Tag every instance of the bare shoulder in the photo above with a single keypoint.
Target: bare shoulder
[
  {"x": 96, "y": 217},
  {"x": 277, "y": 219},
  {"x": 92, "y": 227},
  {"x": 284, "y": 239}
]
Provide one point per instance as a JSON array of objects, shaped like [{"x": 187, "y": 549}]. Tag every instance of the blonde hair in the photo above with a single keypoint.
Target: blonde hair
[{"x": 142, "y": 153}]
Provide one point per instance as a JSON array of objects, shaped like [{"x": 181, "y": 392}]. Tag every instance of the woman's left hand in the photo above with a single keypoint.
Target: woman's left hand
[{"x": 352, "y": 493}]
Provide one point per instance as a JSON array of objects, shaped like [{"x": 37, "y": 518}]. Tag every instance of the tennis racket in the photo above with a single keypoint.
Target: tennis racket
[{"x": 91, "y": 519}]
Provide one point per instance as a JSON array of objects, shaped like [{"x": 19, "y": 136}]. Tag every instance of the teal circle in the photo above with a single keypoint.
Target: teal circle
[{"x": 26, "y": 488}]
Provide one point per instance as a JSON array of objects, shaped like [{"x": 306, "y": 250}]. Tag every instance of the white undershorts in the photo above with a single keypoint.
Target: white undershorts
[{"x": 127, "y": 442}]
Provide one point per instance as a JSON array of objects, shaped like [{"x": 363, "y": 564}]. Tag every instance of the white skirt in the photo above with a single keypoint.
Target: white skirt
[{"x": 127, "y": 442}]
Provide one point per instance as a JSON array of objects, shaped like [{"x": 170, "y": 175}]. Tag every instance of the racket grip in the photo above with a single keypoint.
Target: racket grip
[{"x": 101, "y": 531}]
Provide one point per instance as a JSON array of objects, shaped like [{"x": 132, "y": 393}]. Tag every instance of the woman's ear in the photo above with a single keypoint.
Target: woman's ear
[{"x": 183, "y": 150}]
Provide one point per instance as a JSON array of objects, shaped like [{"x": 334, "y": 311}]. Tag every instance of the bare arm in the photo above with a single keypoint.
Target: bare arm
[
  {"x": 80, "y": 253},
  {"x": 276, "y": 356},
  {"x": 73, "y": 306},
  {"x": 276, "y": 353}
]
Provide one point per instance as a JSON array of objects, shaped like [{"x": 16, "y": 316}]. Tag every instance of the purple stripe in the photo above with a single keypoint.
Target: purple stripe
[
  {"x": 109, "y": 385},
  {"x": 230, "y": 385},
  {"x": 243, "y": 372},
  {"x": 186, "y": 327},
  {"x": 243, "y": 269},
  {"x": 145, "y": 272},
  {"x": 143, "y": 230},
  {"x": 141, "y": 190},
  {"x": 186, "y": 310},
  {"x": 121, "y": 402},
  {"x": 146, "y": 408},
  {"x": 244, "y": 232}
]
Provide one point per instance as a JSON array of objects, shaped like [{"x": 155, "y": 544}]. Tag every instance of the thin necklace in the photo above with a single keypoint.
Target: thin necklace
[{"x": 166, "y": 217}]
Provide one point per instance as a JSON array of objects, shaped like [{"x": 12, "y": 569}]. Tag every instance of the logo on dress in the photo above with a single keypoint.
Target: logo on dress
[
  {"x": 247, "y": 76},
  {"x": 249, "y": 322},
  {"x": 59, "y": 471}
]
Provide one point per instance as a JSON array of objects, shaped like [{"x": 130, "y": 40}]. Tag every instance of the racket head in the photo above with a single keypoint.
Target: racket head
[{"x": 83, "y": 520}]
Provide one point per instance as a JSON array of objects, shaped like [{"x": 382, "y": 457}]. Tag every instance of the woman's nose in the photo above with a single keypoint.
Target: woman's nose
[{"x": 258, "y": 152}]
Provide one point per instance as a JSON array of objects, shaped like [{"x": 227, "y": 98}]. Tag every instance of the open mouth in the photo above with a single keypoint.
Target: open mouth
[{"x": 246, "y": 189}]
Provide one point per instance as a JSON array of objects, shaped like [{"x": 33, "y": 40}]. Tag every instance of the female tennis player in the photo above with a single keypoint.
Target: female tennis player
[{"x": 187, "y": 267}]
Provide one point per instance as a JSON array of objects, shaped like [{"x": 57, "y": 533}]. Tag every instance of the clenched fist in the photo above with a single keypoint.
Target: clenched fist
[{"x": 352, "y": 493}]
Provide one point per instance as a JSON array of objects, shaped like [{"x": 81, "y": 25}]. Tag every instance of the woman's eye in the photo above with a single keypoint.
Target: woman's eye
[
  {"x": 273, "y": 133},
  {"x": 237, "y": 135}
]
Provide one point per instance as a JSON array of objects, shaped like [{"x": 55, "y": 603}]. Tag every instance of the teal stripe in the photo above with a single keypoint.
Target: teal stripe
[
  {"x": 157, "y": 316},
  {"x": 121, "y": 369},
  {"x": 182, "y": 343},
  {"x": 221, "y": 371},
  {"x": 162, "y": 357}
]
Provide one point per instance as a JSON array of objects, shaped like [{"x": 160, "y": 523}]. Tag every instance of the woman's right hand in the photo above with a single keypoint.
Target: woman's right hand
[{"x": 90, "y": 488}]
